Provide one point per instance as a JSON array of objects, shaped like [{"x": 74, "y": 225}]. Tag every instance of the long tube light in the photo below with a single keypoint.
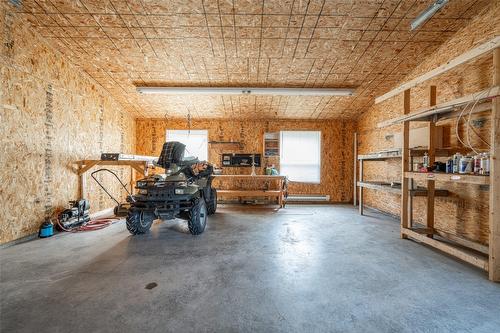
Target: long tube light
[
  {"x": 246, "y": 91},
  {"x": 427, "y": 14}
]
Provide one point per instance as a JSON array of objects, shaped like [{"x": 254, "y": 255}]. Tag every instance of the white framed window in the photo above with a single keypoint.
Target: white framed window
[
  {"x": 196, "y": 142},
  {"x": 300, "y": 156}
]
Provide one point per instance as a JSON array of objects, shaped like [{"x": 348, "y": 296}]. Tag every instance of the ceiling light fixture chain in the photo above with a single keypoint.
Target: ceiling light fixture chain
[{"x": 189, "y": 121}]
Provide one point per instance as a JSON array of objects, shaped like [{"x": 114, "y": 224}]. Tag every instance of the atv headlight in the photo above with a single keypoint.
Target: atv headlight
[
  {"x": 144, "y": 192},
  {"x": 179, "y": 191},
  {"x": 142, "y": 184}
]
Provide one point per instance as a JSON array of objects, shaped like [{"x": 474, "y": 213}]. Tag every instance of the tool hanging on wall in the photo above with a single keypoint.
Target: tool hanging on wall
[{"x": 121, "y": 209}]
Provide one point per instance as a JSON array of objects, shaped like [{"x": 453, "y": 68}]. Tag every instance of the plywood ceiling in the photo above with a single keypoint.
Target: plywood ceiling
[{"x": 294, "y": 43}]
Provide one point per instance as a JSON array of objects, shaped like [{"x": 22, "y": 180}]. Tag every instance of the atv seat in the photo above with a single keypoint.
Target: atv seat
[{"x": 172, "y": 153}]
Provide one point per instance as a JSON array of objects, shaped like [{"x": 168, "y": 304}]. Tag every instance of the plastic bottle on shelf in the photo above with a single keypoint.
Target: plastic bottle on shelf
[
  {"x": 477, "y": 163},
  {"x": 485, "y": 164},
  {"x": 456, "y": 162},
  {"x": 449, "y": 165},
  {"x": 465, "y": 164},
  {"x": 426, "y": 160}
]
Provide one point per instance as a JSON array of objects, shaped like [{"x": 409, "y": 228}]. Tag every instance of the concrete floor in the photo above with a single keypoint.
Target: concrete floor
[{"x": 302, "y": 269}]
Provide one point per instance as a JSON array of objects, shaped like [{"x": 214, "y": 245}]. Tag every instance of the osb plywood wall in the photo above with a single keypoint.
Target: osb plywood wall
[
  {"x": 51, "y": 115},
  {"x": 465, "y": 212},
  {"x": 336, "y": 138}
]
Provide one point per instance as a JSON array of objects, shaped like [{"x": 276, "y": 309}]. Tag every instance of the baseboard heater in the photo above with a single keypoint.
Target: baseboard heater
[{"x": 308, "y": 198}]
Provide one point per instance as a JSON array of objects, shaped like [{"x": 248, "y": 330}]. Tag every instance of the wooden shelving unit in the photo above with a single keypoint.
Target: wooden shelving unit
[
  {"x": 381, "y": 186},
  {"x": 396, "y": 153},
  {"x": 384, "y": 186},
  {"x": 428, "y": 235},
  {"x": 449, "y": 177},
  {"x": 416, "y": 192},
  {"x": 382, "y": 155},
  {"x": 271, "y": 144},
  {"x": 414, "y": 152},
  {"x": 444, "y": 109},
  {"x": 468, "y": 255},
  {"x": 227, "y": 143}
]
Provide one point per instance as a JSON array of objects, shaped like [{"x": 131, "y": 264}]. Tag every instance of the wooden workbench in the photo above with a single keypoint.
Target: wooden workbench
[
  {"x": 279, "y": 193},
  {"x": 86, "y": 165}
]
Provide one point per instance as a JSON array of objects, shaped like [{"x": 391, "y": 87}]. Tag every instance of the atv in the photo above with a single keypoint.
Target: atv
[{"x": 185, "y": 191}]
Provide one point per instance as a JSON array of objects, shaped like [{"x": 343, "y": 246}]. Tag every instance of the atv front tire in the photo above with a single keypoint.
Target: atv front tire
[
  {"x": 139, "y": 222},
  {"x": 197, "y": 217},
  {"x": 212, "y": 203}
]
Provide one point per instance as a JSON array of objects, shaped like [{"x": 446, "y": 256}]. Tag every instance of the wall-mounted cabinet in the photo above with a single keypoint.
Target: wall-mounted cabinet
[{"x": 271, "y": 144}]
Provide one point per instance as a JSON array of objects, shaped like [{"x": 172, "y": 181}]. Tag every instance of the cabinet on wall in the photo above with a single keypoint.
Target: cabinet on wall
[{"x": 271, "y": 144}]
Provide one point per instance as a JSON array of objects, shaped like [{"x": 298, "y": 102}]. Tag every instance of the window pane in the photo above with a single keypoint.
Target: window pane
[
  {"x": 196, "y": 142},
  {"x": 300, "y": 155}
]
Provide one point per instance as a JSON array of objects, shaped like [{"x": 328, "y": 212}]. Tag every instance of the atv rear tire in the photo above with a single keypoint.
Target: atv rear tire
[
  {"x": 212, "y": 203},
  {"x": 197, "y": 220},
  {"x": 139, "y": 222}
]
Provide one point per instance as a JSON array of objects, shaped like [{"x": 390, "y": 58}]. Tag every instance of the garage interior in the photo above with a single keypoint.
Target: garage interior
[{"x": 354, "y": 147}]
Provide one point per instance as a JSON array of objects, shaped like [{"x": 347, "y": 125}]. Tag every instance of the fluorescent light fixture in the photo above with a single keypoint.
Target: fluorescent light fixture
[
  {"x": 427, "y": 14},
  {"x": 246, "y": 91}
]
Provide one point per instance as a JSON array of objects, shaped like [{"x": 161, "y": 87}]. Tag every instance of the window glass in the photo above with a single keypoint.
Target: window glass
[
  {"x": 300, "y": 155},
  {"x": 196, "y": 142}
]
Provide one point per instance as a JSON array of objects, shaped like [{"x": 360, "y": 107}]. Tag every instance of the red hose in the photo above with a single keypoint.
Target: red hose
[{"x": 92, "y": 225}]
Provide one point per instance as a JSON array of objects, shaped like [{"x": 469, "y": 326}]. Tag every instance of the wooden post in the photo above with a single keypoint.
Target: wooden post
[
  {"x": 431, "y": 184},
  {"x": 405, "y": 159},
  {"x": 361, "y": 188},
  {"x": 494, "y": 239},
  {"x": 411, "y": 187},
  {"x": 355, "y": 168}
]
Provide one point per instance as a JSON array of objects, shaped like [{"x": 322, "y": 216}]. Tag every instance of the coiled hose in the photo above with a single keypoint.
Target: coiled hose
[{"x": 96, "y": 224}]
